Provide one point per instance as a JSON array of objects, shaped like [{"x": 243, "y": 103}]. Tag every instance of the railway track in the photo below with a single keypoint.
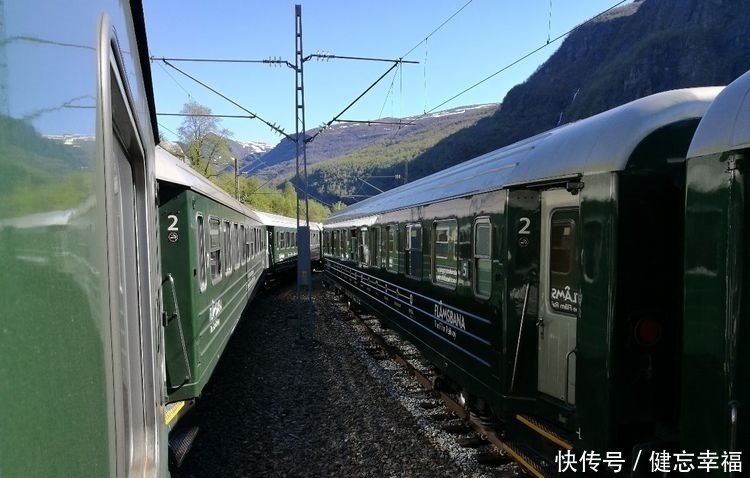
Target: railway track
[{"x": 451, "y": 416}]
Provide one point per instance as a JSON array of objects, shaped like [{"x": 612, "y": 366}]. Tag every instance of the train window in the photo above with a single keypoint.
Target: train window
[
  {"x": 227, "y": 248},
  {"x": 364, "y": 247},
  {"x": 391, "y": 262},
  {"x": 243, "y": 244},
  {"x": 250, "y": 242},
  {"x": 374, "y": 244},
  {"x": 236, "y": 245},
  {"x": 444, "y": 260},
  {"x": 280, "y": 239},
  {"x": 214, "y": 245},
  {"x": 200, "y": 231},
  {"x": 353, "y": 244},
  {"x": 563, "y": 269},
  {"x": 482, "y": 257},
  {"x": 414, "y": 251}
]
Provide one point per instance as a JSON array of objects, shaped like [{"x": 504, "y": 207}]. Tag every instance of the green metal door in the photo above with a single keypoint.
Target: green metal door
[{"x": 522, "y": 289}]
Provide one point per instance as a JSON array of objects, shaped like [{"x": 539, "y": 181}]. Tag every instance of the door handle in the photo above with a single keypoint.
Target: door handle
[{"x": 540, "y": 325}]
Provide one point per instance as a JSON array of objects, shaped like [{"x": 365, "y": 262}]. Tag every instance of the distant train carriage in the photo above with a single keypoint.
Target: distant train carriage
[
  {"x": 282, "y": 243},
  {"x": 213, "y": 256},
  {"x": 716, "y": 328},
  {"x": 544, "y": 279},
  {"x": 316, "y": 249}
]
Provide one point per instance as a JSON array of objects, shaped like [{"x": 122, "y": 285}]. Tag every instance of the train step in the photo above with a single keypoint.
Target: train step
[
  {"x": 534, "y": 463},
  {"x": 176, "y": 410},
  {"x": 546, "y": 430},
  {"x": 180, "y": 442}
]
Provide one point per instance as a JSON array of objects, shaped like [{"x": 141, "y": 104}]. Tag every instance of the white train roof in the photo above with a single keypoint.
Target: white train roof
[
  {"x": 600, "y": 143},
  {"x": 726, "y": 124},
  {"x": 171, "y": 169},
  {"x": 271, "y": 219}
]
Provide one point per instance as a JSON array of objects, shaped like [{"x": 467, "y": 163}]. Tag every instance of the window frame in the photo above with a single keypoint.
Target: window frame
[
  {"x": 413, "y": 252},
  {"x": 227, "y": 230},
  {"x": 451, "y": 242},
  {"x": 216, "y": 272},
  {"x": 391, "y": 252},
  {"x": 477, "y": 256},
  {"x": 202, "y": 266},
  {"x": 570, "y": 276}
]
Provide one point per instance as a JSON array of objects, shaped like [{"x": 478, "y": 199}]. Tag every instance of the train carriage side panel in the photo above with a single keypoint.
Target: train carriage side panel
[
  {"x": 521, "y": 289},
  {"x": 715, "y": 379},
  {"x": 598, "y": 237},
  {"x": 602, "y": 220},
  {"x": 179, "y": 257},
  {"x": 80, "y": 362},
  {"x": 210, "y": 273}
]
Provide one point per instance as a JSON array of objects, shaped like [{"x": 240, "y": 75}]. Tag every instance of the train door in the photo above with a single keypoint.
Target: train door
[
  {"x": 522, "y": 285},
  {"x": 131, "y": 261},
  {"x": 559, "y": 295}
]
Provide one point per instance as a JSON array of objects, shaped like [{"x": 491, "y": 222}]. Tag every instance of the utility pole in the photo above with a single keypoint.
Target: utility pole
[
  {"x": 304, "y": 279},
  {"x": 236, "y": 181}
]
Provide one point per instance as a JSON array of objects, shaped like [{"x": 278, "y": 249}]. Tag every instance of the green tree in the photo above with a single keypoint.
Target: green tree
[{"x": 205, "y": 140}]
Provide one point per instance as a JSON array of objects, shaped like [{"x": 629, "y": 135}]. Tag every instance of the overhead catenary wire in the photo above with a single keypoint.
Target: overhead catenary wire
[
  {"x": 424, "y": 40},
  {"x": 252, "y": 115},
  {"x": 169, "y": 74},
  {"x": 436, "y": 29},
  {"x": 165, "y": 60},
  {"x": 335, "y": 118},
  {"x": 527, "y": 55},
  {"x": 400, "y": 61}
]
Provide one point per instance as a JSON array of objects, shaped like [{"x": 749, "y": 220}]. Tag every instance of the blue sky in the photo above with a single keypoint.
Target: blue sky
[{"x": 477, "y": 39}]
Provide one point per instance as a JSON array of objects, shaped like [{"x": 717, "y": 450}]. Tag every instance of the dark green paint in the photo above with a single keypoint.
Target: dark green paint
[
  {"x": 204, "y": 340},
  {"x": 716, "y": 294}
]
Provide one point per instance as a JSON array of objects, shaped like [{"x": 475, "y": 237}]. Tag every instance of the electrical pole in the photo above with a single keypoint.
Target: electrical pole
[
  {"x": 236, "y": 181},
  {"x": 304, "y": 278}
]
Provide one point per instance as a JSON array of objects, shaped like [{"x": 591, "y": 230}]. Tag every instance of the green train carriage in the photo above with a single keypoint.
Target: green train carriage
[
  {"x": 81, "y": 380},
  {"x": 716, "y": 329},
  {"x": 213, "y": 257},
  {"x": 282, "y": 243},
  {"x": 543, "y": 279}
]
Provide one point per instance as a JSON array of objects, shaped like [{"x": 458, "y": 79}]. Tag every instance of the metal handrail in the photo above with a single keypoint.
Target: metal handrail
[
  {"x": 520, "y": 333},
  {"x": 176, "y": 315}
]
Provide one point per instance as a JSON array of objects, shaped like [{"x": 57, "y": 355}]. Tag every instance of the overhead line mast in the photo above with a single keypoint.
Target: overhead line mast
[{"x": 303, "y": 233}]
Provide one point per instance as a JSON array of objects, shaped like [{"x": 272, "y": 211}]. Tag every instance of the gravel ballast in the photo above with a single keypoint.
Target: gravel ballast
[{"x": 290, "y": 401}]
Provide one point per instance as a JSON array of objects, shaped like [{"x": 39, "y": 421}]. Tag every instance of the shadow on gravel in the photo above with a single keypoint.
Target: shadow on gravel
[{"x": 290, "y": 401}]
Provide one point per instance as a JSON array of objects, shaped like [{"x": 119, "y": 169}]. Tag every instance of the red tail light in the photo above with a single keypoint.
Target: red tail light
[{"x": 647, "y": 332}]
